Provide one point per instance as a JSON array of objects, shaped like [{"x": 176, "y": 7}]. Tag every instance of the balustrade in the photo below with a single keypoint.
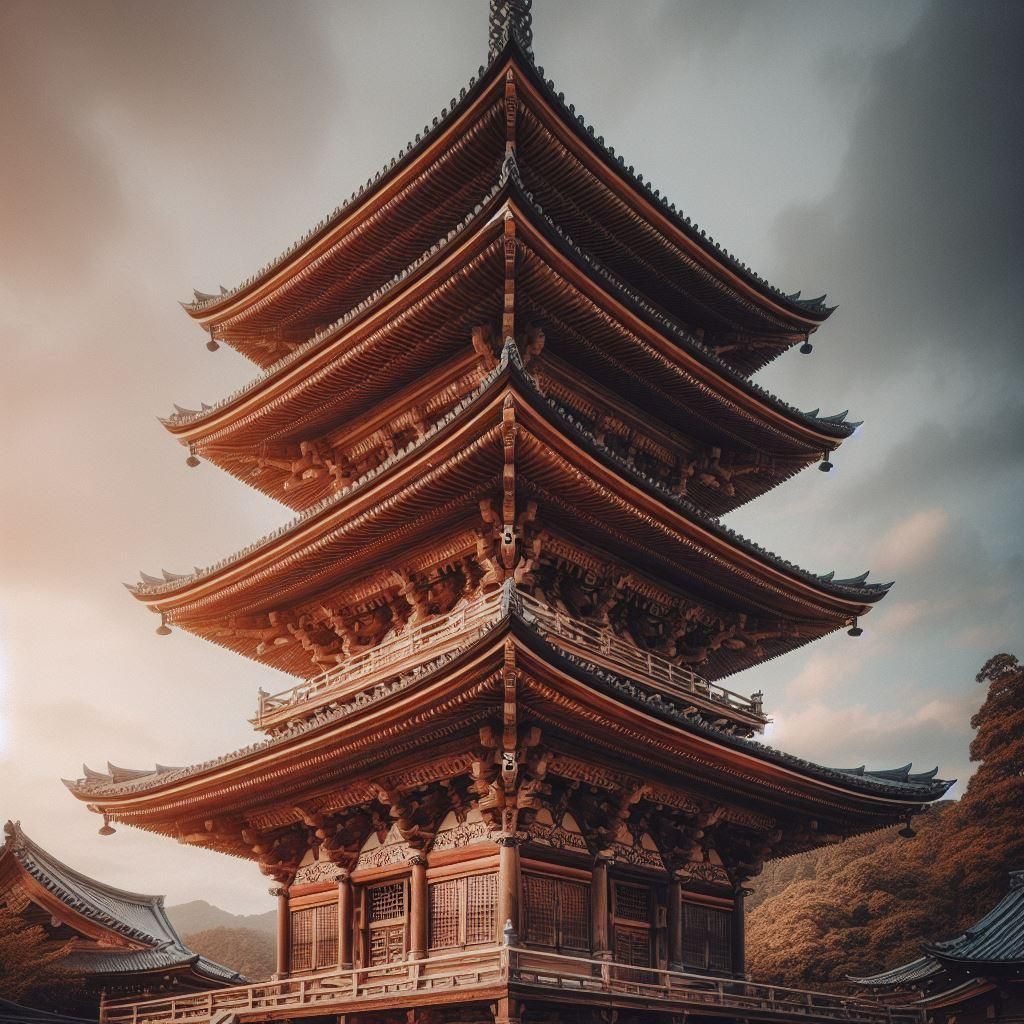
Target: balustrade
[
  {"x": 488, "y": 970},
  {"x": 419, "y": 644}
]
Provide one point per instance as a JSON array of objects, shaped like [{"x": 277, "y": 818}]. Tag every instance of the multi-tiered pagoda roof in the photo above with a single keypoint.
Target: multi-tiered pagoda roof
[{"x": 506, "y": 390}]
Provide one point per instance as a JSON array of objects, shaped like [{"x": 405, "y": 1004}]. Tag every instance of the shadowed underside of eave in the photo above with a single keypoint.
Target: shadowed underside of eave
[{"x": 420, "y": 329}]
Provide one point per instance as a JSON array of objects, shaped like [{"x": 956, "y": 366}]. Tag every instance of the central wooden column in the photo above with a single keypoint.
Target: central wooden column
[
  {"x": 418, "y": 915},
  {"x": 283, "y": 929},
  {"x": 599, "y": 936},
  {"x": 344, "y": 920},
  {"x": 508, "y": 885},
  {"x": 739, "y": 942},
  {"x": 675, "y": 924}
]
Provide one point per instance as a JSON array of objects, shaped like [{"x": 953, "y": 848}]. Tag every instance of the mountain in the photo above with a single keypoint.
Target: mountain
[
  {"x": 200, "y": 916},
  {"x": 245, "y": 950}
]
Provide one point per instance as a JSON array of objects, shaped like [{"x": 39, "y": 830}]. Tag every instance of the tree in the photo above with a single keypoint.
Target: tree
[
  {"x": 242, "y": 949},
  {"x": 31, "y": 968},
  {"x": 870, "y": 902}
]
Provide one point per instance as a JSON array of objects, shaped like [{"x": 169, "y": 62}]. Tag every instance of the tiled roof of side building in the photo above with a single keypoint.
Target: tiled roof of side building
[
  {"x": 912, "y": 973},
  {"x": 996, "y": 940},
  {"x": 815, "y": 308},
  {"x": 144, "y": 960},
  {"x": 136, "y": 916}
]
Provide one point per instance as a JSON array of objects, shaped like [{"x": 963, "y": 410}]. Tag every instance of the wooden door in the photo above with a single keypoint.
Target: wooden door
[
  {"x": 631, "y": 931},
  {"x": 388, "y": 923}
]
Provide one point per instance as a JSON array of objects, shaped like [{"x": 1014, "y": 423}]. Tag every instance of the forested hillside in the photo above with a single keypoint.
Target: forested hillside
[
  {"x": 248, "y": 951},
  {"x": 868, "y": 903}
]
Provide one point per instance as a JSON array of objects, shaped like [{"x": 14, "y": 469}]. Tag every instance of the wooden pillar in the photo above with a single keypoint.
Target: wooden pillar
[
  {"x": 675, "y": 924},
  {"x": 344, "y": 920},
  {"x": 508, "y": 885},
  {"x": 506, "y": 1010},
  {"x": 418, "y": 910},
  {"x": 283, "y": 929},
  {"x": 599, "y": 909},
  {"x": 739, "y": 941}
]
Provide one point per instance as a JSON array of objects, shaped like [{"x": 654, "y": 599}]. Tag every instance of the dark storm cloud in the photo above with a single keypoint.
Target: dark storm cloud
[{"x": 922, "y": 234}]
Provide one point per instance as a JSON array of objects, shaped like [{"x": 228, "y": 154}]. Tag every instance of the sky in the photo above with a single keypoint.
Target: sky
[{"x": 871, "y": 150}]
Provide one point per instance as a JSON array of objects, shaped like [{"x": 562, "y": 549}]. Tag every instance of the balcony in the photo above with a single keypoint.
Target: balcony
[
  {"x": 415, "y": 646},
  {"x": 491, "y": 972}
]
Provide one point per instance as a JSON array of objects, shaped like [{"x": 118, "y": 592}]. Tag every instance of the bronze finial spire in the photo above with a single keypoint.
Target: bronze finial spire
[{"x": 510, "y": 19}]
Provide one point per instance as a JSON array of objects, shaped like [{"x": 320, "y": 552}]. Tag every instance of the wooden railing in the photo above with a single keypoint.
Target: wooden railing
[
  {"x": 696, "y": 993},
  {"x": 475, "y": 969},
  {"x": 485, "y": 971},
  {"x": 604, "y": 647},
  {"x": 419, "y": 644},
  {"x": 413, "y": 646}
]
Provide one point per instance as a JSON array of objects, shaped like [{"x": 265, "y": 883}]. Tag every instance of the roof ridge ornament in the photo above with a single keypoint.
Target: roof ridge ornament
[{"x": 510, "y": 19}]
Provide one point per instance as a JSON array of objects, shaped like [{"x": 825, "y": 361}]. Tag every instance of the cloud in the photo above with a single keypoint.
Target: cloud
[
  {"x": 930, "y": 732},
  {"x": 912, "y": 540}
]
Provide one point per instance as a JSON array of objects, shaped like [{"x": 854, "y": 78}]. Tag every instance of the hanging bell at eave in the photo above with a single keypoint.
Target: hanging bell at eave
[
  {"x": 212, "y": 345},
  {"x": 806, "y": 348},
  {"x": 855, "y": 630},
  {"x": 107, "y": 829},
  {"x": 192, "y": 461},
  {"x": 907, "y": 832},
  {"x": 163, "y": 629},
  {"x": 825, "y": 466}
]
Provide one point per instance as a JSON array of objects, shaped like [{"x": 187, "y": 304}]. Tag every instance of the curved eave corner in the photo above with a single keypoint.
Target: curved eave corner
[{"x": 159, "y": 592}]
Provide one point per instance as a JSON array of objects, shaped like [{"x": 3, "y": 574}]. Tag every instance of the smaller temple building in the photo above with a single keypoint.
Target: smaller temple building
[
  {"x": 976, "y": 977},
  {"x": 122, "y": 942}
]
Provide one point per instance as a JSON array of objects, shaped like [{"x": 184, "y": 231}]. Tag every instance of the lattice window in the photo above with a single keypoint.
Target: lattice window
[
  {"x": 707, "y": 938},
  {"x": 557, "y": 913},
  {"x": 632, "y": 946},
  {"x": 302, "y": 930},
  {"x": 387, "y": 902},
  {"x": 445, "y": 911},
  {"x": 574, "y": 916},
  {"x": 463, "y": 911},
  {"x": 326, "y": 935},
  {"x": 632, "y": 903},
  {"x": 541, "y": 898},
  {"x": 481, "y": 907},
  {"x": 314, "y": 937}
]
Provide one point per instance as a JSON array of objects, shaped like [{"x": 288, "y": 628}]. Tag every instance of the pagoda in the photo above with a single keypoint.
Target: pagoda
[{"x": 506, "y": 390}]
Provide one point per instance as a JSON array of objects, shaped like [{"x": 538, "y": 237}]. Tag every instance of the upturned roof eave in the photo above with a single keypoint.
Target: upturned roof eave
[
  {"x": 654, "y": 208},
  {"x": 659, "y": 211},
  {"x": 830, "y": 430},
  {"x": 330, "y": 511},
  {"x": 209, "y": 310},
  {"x": 197, "y": 424},
  {"x": 811, "y": 430},
  {"x": 483, "y": 654}
]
